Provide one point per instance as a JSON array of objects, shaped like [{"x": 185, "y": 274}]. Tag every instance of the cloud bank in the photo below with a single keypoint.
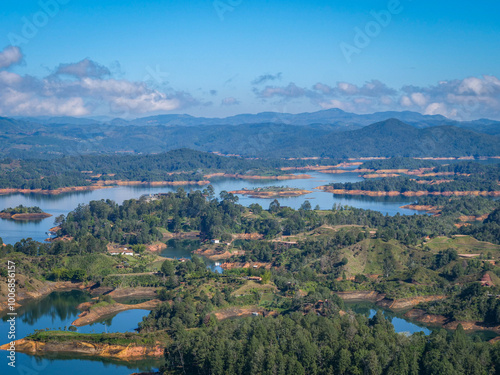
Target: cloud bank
[
  {"x": 465, "y": 99},
  {"x": 88, "y": 88},
  {"x": 80, "y": 89}
]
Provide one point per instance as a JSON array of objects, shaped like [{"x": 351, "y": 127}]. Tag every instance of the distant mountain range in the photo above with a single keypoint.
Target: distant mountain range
[
  {"x": 342, "y": 120},
  {"x": 330, "y": 133}
]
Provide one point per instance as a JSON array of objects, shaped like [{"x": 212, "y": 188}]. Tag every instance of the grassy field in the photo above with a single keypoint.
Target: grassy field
[
  {"x": 251, "y": 286},
  {"x": 367, "y": 257},
  {"x": 463, "y": 245}
]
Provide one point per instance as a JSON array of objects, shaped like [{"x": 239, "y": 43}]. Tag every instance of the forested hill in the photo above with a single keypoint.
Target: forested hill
[
  {"x": 175, "y": 165},
  {"x": 394, "y": 138},
  {"x": 387, "y": 138}
]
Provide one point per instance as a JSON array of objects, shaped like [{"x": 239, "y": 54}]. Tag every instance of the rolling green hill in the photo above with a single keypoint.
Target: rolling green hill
[{"x": 21, "y": 139}]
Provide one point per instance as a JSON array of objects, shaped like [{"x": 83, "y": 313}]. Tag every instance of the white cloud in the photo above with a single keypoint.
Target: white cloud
[
  {"x": 325, "y": 89},
  {"x": 405, "y": 101},
  {"x": 10, "y": 56},
  {"x": 80, "y": 89},
  {"x": 290, "y": 91},
  {"x": 347, "y": 88},
  {"x": 84, "y": 68},
  {"x": 466, "y": 99},
  {"x": 436, "y": 109},
  {"x": 419, "y": 99},
  {"x": 230, "y": 101}
]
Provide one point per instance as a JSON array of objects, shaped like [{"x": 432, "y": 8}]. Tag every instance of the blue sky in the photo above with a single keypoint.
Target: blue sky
[{"x": 218, "y": 58}]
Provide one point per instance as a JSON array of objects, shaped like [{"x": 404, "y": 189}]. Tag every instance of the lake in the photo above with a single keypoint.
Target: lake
[
  {"x": 401, "y": 323},
  {"x": 12, "y": 231},
  {"x": 177, "y": 249},
  {"x": 57, "y": 311}
]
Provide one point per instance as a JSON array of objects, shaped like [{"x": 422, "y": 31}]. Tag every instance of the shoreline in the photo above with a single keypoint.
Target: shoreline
[
  {"x": 95, "y": 314},
  {"x": 130, "y": 352},
  {"x": 24, "y": 217},
  {"x": 114, "y": 183},
  {"x": 254, "y": 177},
  {"x": 415, "y": 314},
  {"x": 421, "y": 316},
  {"x": 271, "y": 194},
  {"x": 215, "y": 255},
  {"x": 425, "y": 208},
  {"x": 419, "y": 193},
  {"x": 69, "y": 189},
  {"x": 46, "y": 288}
]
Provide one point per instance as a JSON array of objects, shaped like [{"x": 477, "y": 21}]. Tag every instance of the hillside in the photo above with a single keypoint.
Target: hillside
[
  {"x": 337, "y": 117},
  {"x": 386, "y": 138}
]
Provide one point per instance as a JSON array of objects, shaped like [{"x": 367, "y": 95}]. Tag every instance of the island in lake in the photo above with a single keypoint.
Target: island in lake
[
  {"x": 272, "y": 192},
  {"x": 23, "y": 213}
]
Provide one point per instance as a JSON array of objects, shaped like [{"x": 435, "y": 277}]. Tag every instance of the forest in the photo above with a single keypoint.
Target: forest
[
  {"x": 307, "y": 328},
  {"x": 301, "y": 344},
  {"x": 399, "y": 163},
  {"x": 466, "y": 176},
  {"x": 176, "y": 165},
  {"x": 259, "y": 139},
  {"x": 22, "y": 210}
]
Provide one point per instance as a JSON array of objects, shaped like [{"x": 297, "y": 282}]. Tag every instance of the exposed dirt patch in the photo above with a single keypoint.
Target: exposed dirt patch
[
  {"x": 329, "y": 189},
  {"x": 421, "y": 316},
  {"x": 37, "y": 216},
  {"x": 97, "y": 313},
  {"x": 248, "y": 236},
  {"x": 250, "y": 177},
  {"x": 218, "y": 254},
  {"x": 139, "y": 291},
  {"x": 228, "y": 266},
  {"x": 405, "y": 303},
  {"x": 156, "y": 247},
  {"x": 129, "y": 352},
  {"x": 361, "y": 296},
  {"x": 182, "y": 235},
  {"x": 233, "y": 312}
]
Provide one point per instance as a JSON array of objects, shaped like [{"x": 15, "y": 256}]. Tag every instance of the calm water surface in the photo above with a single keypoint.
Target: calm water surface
[
  {"x": 57, "y": 311},
  {"x": 12, "y": 231},
  {"x": 402, "y": 324}
]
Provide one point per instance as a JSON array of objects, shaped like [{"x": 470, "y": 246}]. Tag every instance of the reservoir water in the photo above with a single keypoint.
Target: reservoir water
[
  {"x": 12, "y": 231},
  {"x": 59, "y": 309},
  {"x": 56, "y": 312}
]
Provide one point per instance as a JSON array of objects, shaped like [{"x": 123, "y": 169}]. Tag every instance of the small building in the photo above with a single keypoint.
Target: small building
[
  {"x": 215, "y": 241},
  {"x": 254, "y": 278},
  {"x": 486, "y": 280},
  {"x": 127, "y": 252}
]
